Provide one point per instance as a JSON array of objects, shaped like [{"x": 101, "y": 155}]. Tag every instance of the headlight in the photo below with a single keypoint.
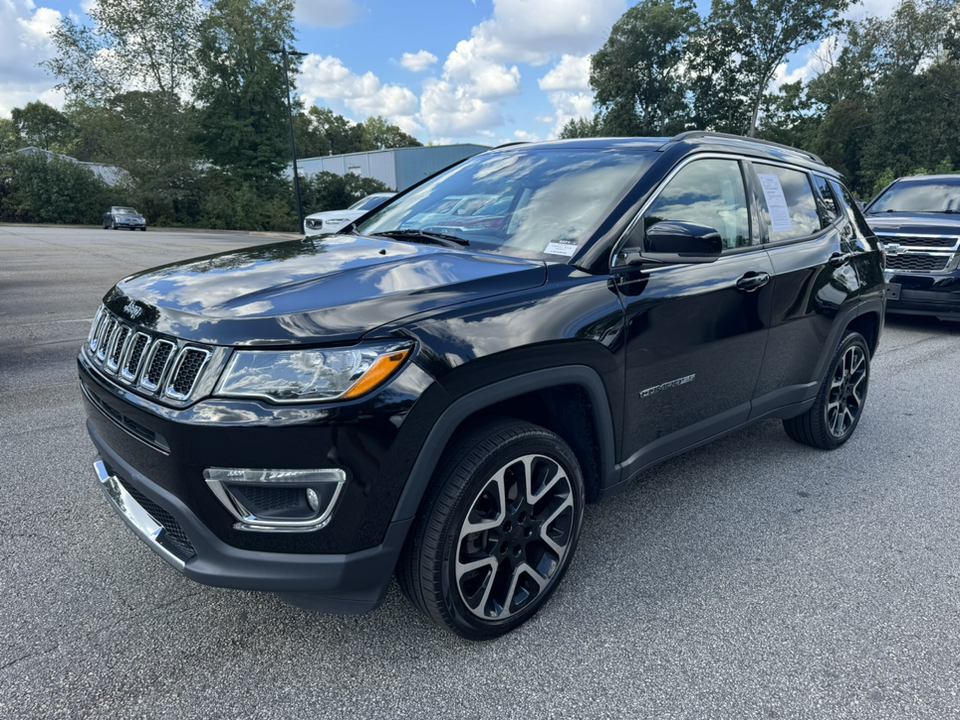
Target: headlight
[{"x": 294, "y": 376}]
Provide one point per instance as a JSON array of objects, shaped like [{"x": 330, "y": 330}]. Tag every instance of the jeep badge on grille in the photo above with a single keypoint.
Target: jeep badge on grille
[{"x": 133, "y": 310}]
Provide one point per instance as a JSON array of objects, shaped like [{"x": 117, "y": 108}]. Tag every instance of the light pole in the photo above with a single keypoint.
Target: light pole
[{"x": 293, "y": 143}]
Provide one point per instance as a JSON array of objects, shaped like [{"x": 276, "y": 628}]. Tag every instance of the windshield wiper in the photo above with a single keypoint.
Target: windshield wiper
[{"x": 451, "y": 241}]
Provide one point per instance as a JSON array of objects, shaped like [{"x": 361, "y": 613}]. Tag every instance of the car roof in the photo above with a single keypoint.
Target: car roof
[
  {"x": 695, "y": 141},
  {"x": 953, "y": 178}
]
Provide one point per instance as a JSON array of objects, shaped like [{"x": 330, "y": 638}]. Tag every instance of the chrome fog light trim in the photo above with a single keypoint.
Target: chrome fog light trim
[{"x": 320, "y": 490}]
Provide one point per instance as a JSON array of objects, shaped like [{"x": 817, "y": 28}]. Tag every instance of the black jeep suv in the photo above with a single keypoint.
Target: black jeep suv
[
  {"x": 435, "y": 394},
  {"x": 917, "y": 220}
]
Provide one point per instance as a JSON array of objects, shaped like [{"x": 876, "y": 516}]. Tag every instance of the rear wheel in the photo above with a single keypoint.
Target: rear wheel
[
  {"x": 836, "y": 412},
  {"x": 498, "y": 530}
]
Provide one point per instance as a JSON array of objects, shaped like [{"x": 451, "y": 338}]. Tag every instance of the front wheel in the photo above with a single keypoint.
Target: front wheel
[
  {"x": 498, "y": 530},
  {"x": 837, "y": 409}
]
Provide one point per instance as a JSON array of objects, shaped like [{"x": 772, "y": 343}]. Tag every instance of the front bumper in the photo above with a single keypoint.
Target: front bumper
[
  {"x": 151, "y": 460},
  {"x": 937, "y": 296},
  {"x": 345, "y": 583}
]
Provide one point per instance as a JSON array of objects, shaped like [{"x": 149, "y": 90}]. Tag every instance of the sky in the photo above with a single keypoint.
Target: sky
[{"x": 444, "y": 71}]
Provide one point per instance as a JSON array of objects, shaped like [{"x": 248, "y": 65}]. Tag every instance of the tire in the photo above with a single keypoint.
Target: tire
[
  {"x": 482, "y": 558},
  {"x": 836, "y": 412},
  {"x": 113, "y": 224},
  {"x": 144, "y": 228}
]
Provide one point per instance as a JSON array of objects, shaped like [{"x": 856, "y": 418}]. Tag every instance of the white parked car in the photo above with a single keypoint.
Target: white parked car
[{"x": 323, "y": 223}]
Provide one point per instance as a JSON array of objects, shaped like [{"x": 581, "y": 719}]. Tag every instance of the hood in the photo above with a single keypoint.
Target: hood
[
  {"x": 905, "y": 223},
  {"x": 333, "y": 288}
]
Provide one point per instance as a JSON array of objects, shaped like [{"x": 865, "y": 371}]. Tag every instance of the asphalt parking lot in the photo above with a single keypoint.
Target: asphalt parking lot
[{"x": 751, "y": 578}]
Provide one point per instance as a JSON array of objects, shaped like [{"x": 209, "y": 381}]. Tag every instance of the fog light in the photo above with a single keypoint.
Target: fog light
[
  {"x": 277, "y": 500},
  {"x": 313, "y": 500}
]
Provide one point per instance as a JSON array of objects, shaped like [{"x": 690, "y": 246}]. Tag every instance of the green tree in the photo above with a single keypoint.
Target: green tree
[
  {"x": 329, "y": 191},
  {"x": 320, "y": 131},
  {"x": 637, "y": 75},
  {"x": 743, "y": 43},
  {"x": 582, "y": 128},
  {"x": 144, "y": 44},
  {"x": 42, "y": 126},
  {"x": 9, "y": 137},
  {"x": 242, "y": 112},
  {"x": 37, "y": 189},
  {"x": 378, "y": 134}
]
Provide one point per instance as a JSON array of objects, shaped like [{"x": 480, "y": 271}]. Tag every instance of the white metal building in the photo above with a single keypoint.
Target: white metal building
[{"x": 398, "y": 168}]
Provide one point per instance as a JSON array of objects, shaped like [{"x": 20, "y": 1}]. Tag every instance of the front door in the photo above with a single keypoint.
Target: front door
[{"x": 695, "y": 333}]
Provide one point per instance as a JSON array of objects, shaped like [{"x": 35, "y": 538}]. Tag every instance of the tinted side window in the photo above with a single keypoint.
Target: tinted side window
[
  {"x": 826, "y": 202},
  {"x": 791, "y": 209},
  {"x": 853, "y": 211},
  {"x": 707, "y": 192}
]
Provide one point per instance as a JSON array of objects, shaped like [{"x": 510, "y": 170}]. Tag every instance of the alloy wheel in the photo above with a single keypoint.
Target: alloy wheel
[
  {"x": 515, "y": 537},
  {"x": 847, "y": 391}
]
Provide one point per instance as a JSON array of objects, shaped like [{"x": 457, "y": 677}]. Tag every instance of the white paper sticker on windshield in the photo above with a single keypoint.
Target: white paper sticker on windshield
[
  {"x": 562, "y": 247},
  {"x": 779, "y": 212}
]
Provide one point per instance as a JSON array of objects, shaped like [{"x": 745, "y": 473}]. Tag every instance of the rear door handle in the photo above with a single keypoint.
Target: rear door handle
[
  {"x": 838, "y": 259},
  {"x": 753, "y": 281}
]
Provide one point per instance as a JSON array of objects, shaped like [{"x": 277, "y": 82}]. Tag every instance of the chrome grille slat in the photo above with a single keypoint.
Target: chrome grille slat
[
  {"x": 106, "y": 334},
  {"x": 156, "y": 365},
  {"x": 133, "y": 358},
  {"x": 95, "y": 329},
  {"x": 148, "y": 363},
  {"x": 118, "y": 343},
  {"x": 186, "y": 371}
]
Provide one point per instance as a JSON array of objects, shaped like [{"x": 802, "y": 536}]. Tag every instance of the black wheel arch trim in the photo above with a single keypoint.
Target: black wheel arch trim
[{"x": 477, "y": 400}]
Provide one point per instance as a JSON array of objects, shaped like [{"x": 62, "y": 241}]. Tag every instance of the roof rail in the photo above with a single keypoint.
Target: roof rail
[{"x": 694, "y": 134}]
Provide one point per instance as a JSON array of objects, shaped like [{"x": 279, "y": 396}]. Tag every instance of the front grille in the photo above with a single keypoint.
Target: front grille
[
  {"x": 154, "y": 365},
  {"x": 174, "y": 534},
  {"x": 917, "y": 262},
  {"x": 920, "y": 240},
  {"x": 189, "y": 364}
]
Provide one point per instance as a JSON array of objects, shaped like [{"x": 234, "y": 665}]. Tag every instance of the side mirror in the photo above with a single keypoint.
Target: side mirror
[{"x": 673, "y": 242}]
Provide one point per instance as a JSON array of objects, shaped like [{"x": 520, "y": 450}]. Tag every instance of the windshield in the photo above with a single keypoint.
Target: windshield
[
  {"x": 369, "y": 202},
  {"x": 936, "y": 195},
  {"x": 124, "y": 211},
  {"x": 526, "y": 201}
]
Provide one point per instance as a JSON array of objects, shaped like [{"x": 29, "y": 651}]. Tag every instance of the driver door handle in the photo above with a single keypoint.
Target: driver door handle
[{"x": 753, "y": 281}]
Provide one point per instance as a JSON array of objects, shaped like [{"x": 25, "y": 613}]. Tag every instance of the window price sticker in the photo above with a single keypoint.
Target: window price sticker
[
  {"x": 779, "y": 212},
  {"x": 561, "y": 247}
]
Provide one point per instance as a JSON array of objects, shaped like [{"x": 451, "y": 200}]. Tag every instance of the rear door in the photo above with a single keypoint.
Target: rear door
[{"x": 813, "y": 250}]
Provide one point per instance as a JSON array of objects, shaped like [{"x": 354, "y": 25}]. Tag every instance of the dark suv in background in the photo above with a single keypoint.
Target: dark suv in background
[
  {"x": 917, "y": 219},
  {"x": 436, "y": 396}
]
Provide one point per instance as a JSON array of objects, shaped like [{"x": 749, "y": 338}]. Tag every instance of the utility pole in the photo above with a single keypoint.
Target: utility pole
[{"x": 293, "y": 143}]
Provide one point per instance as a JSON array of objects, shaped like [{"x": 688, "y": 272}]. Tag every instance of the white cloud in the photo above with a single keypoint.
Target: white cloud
[
  {"x": 326, "y": 78},
  {"x": 569, "y": 106},
  {"x": 533, "y": 31},
  {"x": 447, "y": 111},
  {"x": 326, "y": 13},
  {"x": 418, "y": 62},
  {"x": 571, "y": 73},
  {"x": 24, "y": 42},
  {"x": 481, "y": 72},
  {"x": 524, "y": 136}
]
